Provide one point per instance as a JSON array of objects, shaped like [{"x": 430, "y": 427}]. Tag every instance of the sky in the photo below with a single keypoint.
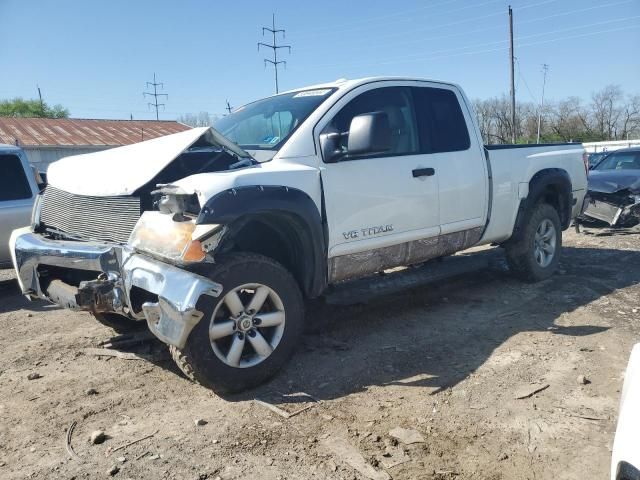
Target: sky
[{"x": 94, "y": 56}]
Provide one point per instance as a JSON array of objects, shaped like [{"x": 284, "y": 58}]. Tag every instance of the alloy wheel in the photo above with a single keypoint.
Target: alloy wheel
[
  {"x": 247, "y": 325},
  {"x": 545, "y": 243}
]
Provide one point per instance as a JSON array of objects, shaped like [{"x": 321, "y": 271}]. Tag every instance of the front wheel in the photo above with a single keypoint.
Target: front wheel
[
  {"x": 248, "y": 333},
  {"x": 535, "y": 254}
]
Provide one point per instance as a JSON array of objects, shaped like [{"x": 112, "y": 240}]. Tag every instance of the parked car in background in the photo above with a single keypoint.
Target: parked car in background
[
  {"x": 215, "y": 236},
  {"x": 625, "y": 458},
  {"x": 18, "y": 190},
  {"x": 614, "y": 189}
]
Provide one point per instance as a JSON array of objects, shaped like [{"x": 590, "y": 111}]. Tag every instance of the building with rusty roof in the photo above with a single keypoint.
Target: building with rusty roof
[{"x": 48, "y": 139}]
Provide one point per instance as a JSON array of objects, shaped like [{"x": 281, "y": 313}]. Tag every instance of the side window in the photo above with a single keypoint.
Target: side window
[
  {"x": 396, "y": 103},
  {"x": 441, "y": 123},
  {"x": 13, "y": 181}
]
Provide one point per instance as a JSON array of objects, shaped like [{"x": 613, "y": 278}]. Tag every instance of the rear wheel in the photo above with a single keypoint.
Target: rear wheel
[
  {"x": 248, "y": 332},
  {"x": 535, "y": 254}
]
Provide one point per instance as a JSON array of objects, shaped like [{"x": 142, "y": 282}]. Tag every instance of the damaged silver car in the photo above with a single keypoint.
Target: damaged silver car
[{"x": 614, "y": 189}]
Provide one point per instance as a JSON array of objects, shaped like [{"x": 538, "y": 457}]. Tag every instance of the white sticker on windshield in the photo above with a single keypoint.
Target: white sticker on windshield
[{"x": 313, "y": 93}]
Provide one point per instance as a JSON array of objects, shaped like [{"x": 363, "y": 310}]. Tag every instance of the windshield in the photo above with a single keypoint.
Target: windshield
[
  {"x": 594, "y": 158},
  {"x": 620, "y": 161},
  {"x": 266, "y": 124}
]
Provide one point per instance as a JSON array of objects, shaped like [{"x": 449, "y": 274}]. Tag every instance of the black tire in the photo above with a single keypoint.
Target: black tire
[
  {"x": 197, "y": 359},
  {"x": 521, "y": 251},
  {"x": 119, "y": 323}
]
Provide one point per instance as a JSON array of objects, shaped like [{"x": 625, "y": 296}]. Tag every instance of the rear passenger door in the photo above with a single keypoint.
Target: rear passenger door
[
  {"x": 17, "y": 192},
  {"x": 448, "y": 142}
]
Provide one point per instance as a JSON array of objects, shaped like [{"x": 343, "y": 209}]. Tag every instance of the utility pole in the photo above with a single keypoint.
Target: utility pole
[
  {"x": 155, "y": 95},
  {"x": 274, "y": 46},
  {"x": 41, "y": 102},
  {"x": 545, "y": 69},
  {"x": 513, "y": 85},
  {"x": 229, "y": 107}
]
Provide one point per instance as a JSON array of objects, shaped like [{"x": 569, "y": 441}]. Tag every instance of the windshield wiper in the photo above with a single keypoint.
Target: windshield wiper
[{"x": 245, "y": 162}]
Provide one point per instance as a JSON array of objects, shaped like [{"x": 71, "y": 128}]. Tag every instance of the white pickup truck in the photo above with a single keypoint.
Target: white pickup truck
[{"x": 215, "y": 237}]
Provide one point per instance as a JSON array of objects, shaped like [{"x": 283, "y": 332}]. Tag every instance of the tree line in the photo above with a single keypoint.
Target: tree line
[
  {"x": 19, "y": 107},
  {"x": 610, "y": 114}
]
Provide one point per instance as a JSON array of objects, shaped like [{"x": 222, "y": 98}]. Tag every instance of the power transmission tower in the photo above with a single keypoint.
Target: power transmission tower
[
  {"x": 545, "y": 69},
  {"x": 274, "y": 46},
  {"x": 228, "y": 107},
  {"x": 513, "y": 86},
  {"x": 155, "y": 95}
]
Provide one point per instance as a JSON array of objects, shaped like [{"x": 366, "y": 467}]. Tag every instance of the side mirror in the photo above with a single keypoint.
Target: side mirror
[
  {"x": 41, "y": 178},
  {"x": 369, "y": 133},
  {"x": 330, "y": 146}
]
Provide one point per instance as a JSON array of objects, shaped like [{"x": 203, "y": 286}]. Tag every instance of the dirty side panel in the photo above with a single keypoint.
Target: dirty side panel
[{"x": 361, "y": 264}]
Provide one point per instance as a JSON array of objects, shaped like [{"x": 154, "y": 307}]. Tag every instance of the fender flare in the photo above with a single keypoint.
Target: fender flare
[
  {"x": 557, "y": 178},
  {"x": 234, "y": 207}
]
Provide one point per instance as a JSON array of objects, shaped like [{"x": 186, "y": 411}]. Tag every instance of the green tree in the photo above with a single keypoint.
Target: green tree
[{"x": 19, "y": 107}]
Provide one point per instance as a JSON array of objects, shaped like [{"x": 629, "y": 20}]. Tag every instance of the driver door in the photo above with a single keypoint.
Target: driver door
[{"x": 376, "y": 205}]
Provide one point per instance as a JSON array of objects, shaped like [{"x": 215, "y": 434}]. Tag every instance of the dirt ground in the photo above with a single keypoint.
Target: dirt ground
[{"x": 446, "y": 359}]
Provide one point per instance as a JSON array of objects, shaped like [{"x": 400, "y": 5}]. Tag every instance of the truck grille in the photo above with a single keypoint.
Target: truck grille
[{"x": 108, "y": 219}]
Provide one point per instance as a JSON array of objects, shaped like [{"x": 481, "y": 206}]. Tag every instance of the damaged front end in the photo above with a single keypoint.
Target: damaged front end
[
  {"x": 150, "y": 278},
  {"x": 128, "y": 244},
  {"x": 617, "y": 209},
  {"x": 101, "y": 278}
]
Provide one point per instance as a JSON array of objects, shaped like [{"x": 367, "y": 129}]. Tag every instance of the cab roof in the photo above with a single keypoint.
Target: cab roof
[{"x": 344, "y": 83}]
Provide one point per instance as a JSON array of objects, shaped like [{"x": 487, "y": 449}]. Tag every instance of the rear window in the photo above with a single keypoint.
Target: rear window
[
  {"x": 14, "y": 184},
  {"x": 441, "y": 123}
]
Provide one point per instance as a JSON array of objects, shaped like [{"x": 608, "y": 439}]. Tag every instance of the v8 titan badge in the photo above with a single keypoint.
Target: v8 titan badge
[{"x": 367, "y": 232}]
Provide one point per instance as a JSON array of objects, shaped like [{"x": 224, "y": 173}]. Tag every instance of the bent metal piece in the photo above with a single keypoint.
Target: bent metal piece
[
  {"x": 174, "y": 315},
  {"x": 171, "y": 318}
]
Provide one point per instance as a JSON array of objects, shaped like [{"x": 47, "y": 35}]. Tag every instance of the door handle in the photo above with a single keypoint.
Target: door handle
[{"x": 423, "y": 172}]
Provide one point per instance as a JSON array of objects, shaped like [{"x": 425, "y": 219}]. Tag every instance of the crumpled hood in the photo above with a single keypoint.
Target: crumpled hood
[
  {"x": 612, "y": 181},
  {"x": 122, "y": 170}
]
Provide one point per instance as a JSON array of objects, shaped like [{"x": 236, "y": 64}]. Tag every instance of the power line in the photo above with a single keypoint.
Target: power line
[
  {"x": 465, "y": 32},
  {"x": 449, "y": 51},
  {"x": 430, "y": 27},
  {"x": 274, "y": 46},
  {"x": 155, "y": 95},
  {"x": 545, "y": 69},
  {"x": 406, "y": 15},
  {"x": 524, "y": 80},
  {"x": 574, "y": 11}
]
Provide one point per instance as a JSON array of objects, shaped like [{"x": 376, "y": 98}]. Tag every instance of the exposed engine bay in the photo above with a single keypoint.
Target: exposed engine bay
[
  {"x": 618, "y": 209},
  {"x": 66, "y": 213}
]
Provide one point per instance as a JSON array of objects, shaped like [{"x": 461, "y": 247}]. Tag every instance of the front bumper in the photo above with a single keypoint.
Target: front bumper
[
  {"x": 171, "y": 293},
  {"x": 612, "y": 213}
]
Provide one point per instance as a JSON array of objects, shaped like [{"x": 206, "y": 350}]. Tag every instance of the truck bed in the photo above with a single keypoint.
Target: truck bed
[{"x": 511, "y": 168}]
